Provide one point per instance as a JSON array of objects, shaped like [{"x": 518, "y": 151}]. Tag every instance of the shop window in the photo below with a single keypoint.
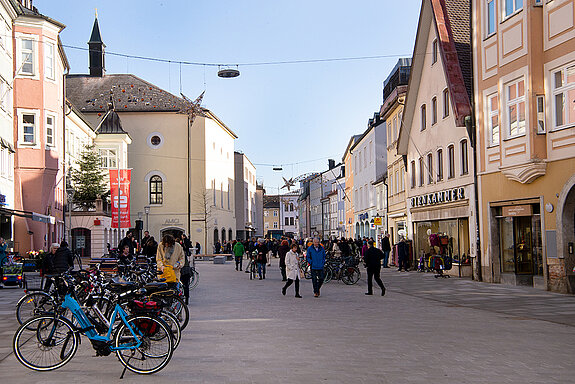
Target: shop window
[{"x": 450, "y": 162}]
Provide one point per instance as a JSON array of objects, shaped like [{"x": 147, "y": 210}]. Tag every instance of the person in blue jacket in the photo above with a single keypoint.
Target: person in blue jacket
[{"x": 315, "y": 256}]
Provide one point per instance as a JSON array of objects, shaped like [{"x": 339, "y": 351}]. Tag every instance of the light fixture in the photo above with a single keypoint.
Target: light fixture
[
  {"x": 277, "y": 168},
  {"x": 227, "y": 73}
]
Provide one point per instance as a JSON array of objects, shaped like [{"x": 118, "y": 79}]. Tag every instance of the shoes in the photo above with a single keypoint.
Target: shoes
[
  {"x": 284, "y": 279},
  {"x": 298, "y": 296},
  {"x": 383, "y": 291},
  {"x": 260, "y": 277},
  {"x": 399, "y": 270},
  {"x": 316, "y": 295},
  {"x": 368, "y": 294},
  {"x": 284, "y": 291},
  {"x": 240, "y": 269}
]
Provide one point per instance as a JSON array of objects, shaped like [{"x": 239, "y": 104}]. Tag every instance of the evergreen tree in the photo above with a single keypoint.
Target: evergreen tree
[{"x": 88, "y": 179}]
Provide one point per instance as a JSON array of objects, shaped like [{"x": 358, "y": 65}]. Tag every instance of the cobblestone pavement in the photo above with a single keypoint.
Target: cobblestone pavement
[{"x": 425, "y": 330}]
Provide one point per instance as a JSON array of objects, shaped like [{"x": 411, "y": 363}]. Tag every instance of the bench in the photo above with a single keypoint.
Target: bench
[
  {"x": 220, "y": 259},
  {"x": 211, "y": 256}
]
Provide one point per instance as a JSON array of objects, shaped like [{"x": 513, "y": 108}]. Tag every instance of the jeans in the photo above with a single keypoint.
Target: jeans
[
  {"x": 373, "y": 274},
  {"x": 262, "y": 267},
  {"x": 239, "y": 261},
  {"x": 385, "y": 259},
  {"x": 317, "y": 276},
  {"x": 289, "y": 282}
]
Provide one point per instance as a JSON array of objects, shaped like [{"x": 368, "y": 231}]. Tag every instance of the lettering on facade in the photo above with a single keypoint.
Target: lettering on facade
[
  {"x": 441, "y": 197},
  {"x": 172, "y": 221},
  {"x": 517, "y": 210}
]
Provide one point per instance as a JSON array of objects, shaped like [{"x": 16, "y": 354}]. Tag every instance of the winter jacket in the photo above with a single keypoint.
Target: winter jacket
[
  {"x": 176, "y": 260},
  {"x": 292, "y": 265},
  {"x": 282, "y": 251},
  {"x": 385, "y": 244},
  {"x": 315, "y": 258},
  {"x": 239, "y": 249},
  {"x": 373, "y": 257}
]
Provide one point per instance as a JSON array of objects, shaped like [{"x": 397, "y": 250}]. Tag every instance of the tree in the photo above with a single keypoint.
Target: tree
[
  {"x": 204, "y": 212},
  {"x": 88, "y": 179}
]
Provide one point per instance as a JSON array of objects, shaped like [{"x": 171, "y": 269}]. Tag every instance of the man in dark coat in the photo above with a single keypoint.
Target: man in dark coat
[
  {"x": 386, "y": 248},
  {"x": 402, "y": 254},
  {"x": 127, "y": 241},
  {"x": 282, "y": 251},
  {"x": 372, "y": 259},
  {"x": 63, "y": 259}
]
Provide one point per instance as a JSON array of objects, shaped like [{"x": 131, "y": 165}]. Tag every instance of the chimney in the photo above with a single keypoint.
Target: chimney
[
  {"x": 26, "y": 3},
  {"x": 96, "y": 52},
  {"x": 331, "y": 164}
]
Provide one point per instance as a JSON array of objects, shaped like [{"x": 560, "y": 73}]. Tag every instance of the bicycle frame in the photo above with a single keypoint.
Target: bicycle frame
[{"x": 88, "y": 328}]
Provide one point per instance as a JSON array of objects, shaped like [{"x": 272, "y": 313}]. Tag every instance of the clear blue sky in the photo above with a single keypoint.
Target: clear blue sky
[{"x": 283, "y": 114}]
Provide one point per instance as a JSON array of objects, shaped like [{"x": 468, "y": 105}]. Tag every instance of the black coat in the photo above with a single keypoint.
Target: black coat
[
  {"x": 373, "y": 257},
  {"x": 283, "y": 250},
  {"x": 262, "y": 253},
  {"x": 385, "y": 244},
  {"x": 61, "y": 261},
  {"x": 402, "y": 250}
]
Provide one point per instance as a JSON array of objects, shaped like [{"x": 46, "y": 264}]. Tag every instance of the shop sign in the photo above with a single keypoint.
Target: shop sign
[
  {"x": 517, "y": 210},
  {"x": 363, "y": 216},
  {"x": 2, "y": 200},
  {"x": 172, "y": 221},
  {"x": 378, "y": 221},
  {"x": 434, "y": 198}
]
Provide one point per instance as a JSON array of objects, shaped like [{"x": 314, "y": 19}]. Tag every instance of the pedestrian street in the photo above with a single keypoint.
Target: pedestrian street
[{"x": 424, "y": 330}]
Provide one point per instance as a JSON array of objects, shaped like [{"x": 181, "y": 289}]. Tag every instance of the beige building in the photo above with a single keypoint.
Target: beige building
[
  {"x": 349, "y": 198},
  {"x": 524, "y": 68},
  {"x": 440, "y": 193},
  {"x": 271, "y": 214}
]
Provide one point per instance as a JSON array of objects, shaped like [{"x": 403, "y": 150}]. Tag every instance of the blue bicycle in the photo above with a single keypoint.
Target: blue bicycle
[{"x": 143, "y": 343}]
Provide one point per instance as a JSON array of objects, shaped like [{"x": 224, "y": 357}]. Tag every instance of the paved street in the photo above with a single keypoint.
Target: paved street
[{"x": 425, "y": 330}]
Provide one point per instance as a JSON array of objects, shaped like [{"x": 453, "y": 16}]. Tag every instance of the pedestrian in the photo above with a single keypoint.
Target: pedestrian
[
  {"x": 386, "y": 248},
  {"x": 217, "y": 247},
  {"x": 292, "y": 268},
  {"x": 402, "y": 254},
  {"x": 372, "y": 259},
  {"x": 127, "y": 241},
  {"x": 144, "y": 240},
  {"x": 3, "y": 257},
  {"x": 315, "y": 256},
  {"x": 282, "y": 251},
  {"x": 149, "y": 248},
  {"x": 171, "y": 254},
  {"x": 59, "y": 260},
  {"x": 261, "y": 258},
  {"x": 198, "y": 248},
  {"x": 186, "y": 244},
  {"x": 185, "y": 276},
  {"x": 239, "y": 254}
]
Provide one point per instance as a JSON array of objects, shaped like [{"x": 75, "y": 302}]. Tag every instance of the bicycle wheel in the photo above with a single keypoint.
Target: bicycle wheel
[
  {"x": 174, "y": 326},
  {"x": 351, "y": 275},
  {"x": 306, "y": 271},
  {"x": 180, "y": 310},
  {"x": 150, "y": 351},
  {"x": 33, "y": 304},
  {"x": 45, "y": 343},
  {"x": 195, "y": 279},
  {"x": 327, "y": 274}
]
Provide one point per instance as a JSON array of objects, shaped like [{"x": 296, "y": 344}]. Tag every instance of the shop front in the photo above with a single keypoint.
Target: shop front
[
  {"x": 520, "y": 246},
  {"x": 441, "y": 227}
]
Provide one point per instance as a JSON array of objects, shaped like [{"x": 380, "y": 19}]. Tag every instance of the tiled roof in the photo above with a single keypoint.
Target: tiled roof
[
  {"x": 111, "y": 124},
  {"x": 460, "y": 20},
  {"x": 128, "y": 93}
]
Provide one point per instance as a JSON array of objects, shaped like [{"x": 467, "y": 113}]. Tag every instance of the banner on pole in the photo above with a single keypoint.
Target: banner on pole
[{"x": 121, "y": 201}]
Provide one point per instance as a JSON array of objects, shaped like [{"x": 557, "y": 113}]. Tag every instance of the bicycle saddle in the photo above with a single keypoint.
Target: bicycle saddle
[{"x": 155, "y": 286}]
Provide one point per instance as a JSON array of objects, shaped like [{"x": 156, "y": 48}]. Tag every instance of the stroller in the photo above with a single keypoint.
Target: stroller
[{"x": 440, "y": 264}]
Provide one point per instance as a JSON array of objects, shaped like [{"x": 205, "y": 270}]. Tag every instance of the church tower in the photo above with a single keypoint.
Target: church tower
[{"x": 97, "y": 64}]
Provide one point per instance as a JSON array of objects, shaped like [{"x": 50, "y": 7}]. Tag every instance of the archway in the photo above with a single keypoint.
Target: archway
[
  {"x": 216, "y": 237},
  {"x": 82, "y": 241},
  {"x": 566, "y": 231},
  {"x": 174, "y": 231},
  {"x": 357, "y": 230},
  {"x": 223, "y": 235}
]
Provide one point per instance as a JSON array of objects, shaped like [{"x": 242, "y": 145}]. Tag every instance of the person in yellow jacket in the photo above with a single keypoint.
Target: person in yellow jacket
[{"x": 170, "y": 253}]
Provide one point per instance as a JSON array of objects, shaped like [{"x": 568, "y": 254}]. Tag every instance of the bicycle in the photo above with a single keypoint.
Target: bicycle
[{"x": 50, "y": 341}]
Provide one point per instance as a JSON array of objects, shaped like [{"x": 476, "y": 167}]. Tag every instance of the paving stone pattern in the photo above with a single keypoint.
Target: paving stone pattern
[{"x": 425, "y": 330}]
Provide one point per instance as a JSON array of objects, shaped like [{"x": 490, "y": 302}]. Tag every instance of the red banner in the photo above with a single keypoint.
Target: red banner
[{"x": 123, "y": 200}]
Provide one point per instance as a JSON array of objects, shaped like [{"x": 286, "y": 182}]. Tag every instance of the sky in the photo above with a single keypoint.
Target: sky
[{"x": 291, "y": 115}]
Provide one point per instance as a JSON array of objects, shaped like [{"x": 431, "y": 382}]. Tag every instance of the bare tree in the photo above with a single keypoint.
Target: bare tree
[{"x": 203, "y": 211}]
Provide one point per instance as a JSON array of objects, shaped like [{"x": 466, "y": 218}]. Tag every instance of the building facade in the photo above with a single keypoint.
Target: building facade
[
  {"x": 350, "y": 198},
  {"x": 245, "y": 196},
  {"x": 434, "y": 138},
  {"x": 289, "y": 210},
  {"x": 523, "y": 69}
]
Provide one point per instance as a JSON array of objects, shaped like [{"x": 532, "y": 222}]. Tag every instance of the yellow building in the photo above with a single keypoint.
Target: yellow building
[
  {"x": 524, "y": 80},
  {"x": 349, "y": 208}
]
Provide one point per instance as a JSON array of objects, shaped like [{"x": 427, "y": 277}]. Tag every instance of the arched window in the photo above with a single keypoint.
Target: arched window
[
  {"x": 156, "y": 190},
  {"x": 216, "y": 234},
  {"x": 223, "y": 235},
  {"x": 230, "y": 234}
]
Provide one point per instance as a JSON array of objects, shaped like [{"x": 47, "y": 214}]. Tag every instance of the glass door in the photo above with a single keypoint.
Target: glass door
[
  {"x": 507, "y": 246},
  {"x": 523, "y": 245}
]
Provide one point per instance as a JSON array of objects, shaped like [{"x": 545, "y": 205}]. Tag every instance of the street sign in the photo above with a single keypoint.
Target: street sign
[{"x": 378, "y": 221}]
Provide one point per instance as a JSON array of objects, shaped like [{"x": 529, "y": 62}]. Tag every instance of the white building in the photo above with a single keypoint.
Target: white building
[
  {"x": 369, "y": 164},
  {"x": 245, "y": 196},
  {"x": 289, "y": 211}
]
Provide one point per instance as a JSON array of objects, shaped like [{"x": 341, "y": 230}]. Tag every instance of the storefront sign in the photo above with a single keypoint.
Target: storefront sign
[
  {"x": 434, "y": 198},
  {"x": 517, "y": 210},
  {"x": 378, "y": 221},
  {"x": 123, "y": 200},
  {"x": 2, "y": 200},
  {"x": 363, "y": 216}
]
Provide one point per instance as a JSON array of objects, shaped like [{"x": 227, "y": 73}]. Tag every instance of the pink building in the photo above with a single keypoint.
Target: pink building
[{"x": 39, "y": 67}]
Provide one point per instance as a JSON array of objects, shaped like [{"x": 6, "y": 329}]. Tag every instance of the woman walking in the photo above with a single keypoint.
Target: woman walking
[
  {"x": 170, "y": 254},
  {"x": 292, "y": 269}
]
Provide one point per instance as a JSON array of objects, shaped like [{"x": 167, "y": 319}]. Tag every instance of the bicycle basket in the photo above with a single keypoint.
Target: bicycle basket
[{"x": 147, "y": 327}]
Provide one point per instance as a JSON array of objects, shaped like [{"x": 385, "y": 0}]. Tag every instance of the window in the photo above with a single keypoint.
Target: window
[
  {"x": 402, "y": 178},
  {"x": 413, "y": 174},
  {"x": 214, "y": 190},
  {"x": 275, "y": 213},
  {"x": 563, "y": 95},
  {"x": 286, "y": 207},
  {"x": 540, "y": 102},
  {"x": 434, "y": 52},
  {"x": 491, "y": 17},
  {"x": 421, "y": 172},
  {"x": 156, "y": 190},
  {"x": 108, "y": 158},
  {"x": 29, "y": 128},
  {"x": 429, "y": 168},
  {"x": 390, "y": 182},
  {"x": 49, "y": 60},
  {"x": 464, "y": 158},
  {"x": 397, "y": 182},
  {"x": 50, "y": 120},
  {"x": 423, "y": 118},
  {"x": 395, "y": 125},
  {"x": 370, "y": 152},
  {"x": 512, "y": 6},
  {"x": 155, "y": 140},
  {"x": 450, "y": 162},
  {"x": 445, "y": 103},
  {"x": 291, "y": 221},
  {"x": 516, "y": 108},
  {"x": 27, "y": 57},
  {"x": 365, "y": 158},
  {"x": 266, "y": 213},
  {"x": 439, "y": 164},
  {"x": 291, "y": 207},
  {"x": 5, "y": 96},
  {"x": 286, "y": 221},
  {"x": 275, "y": 224},
  {"x": 493, "y": 119},
  {"x": 222, "y": 195},
  {"x": 434, "y": 110}
]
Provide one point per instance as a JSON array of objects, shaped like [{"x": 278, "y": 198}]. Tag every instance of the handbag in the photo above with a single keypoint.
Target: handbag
[
  {"x": 169, "y": 274},
  {"x": 186, "y": 269}
]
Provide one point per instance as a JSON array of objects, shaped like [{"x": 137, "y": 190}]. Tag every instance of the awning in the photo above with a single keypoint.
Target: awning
[
  {"x": 29, "y": 215},
  {"x": 6, "y": 144}
]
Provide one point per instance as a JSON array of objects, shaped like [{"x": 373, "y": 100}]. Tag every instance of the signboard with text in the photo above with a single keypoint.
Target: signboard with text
[{"x": 121, "y": 201}]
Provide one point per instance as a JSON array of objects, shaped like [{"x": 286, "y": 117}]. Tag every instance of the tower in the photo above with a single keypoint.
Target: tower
[{"x": 96, "y": 46}]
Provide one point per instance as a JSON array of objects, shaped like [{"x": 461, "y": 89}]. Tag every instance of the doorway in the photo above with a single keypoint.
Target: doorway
[{"x": 82, "y": 242}]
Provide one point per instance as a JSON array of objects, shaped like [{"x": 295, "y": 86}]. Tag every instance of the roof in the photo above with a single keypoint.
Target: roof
[
  {"x": 95, "y": 37},
  {"x": 452, "y": 22},
  {"x": 351, "y": 142},
  {"x": 128, "y": 93},
  {"x": 23, "y": 11},
  {"x": 271, "y": 202},
  {"x": 110, "y": 124}
]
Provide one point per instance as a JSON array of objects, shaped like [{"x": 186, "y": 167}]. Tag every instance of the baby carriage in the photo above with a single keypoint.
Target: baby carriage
[{"x": 440, "y": 264}]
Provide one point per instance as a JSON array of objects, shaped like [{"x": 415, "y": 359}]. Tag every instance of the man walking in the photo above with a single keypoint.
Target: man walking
[
  {"x": 386, "y": 248},
  {"x": 402, "y": 254},
  {"x": 239, "y": 254},
  {"x": 315, "y": 256},
  {"x": 372, "y": 259}
]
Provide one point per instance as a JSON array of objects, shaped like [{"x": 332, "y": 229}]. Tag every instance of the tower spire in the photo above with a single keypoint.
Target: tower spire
[{"x": 96, "y": 52}]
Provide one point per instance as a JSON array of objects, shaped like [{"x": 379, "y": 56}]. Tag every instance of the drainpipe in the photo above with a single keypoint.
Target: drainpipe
[
  {"x": 386, "y": 204},
  {"x": 67, "y": 231},
  {"x": 470, "y": 125}
]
